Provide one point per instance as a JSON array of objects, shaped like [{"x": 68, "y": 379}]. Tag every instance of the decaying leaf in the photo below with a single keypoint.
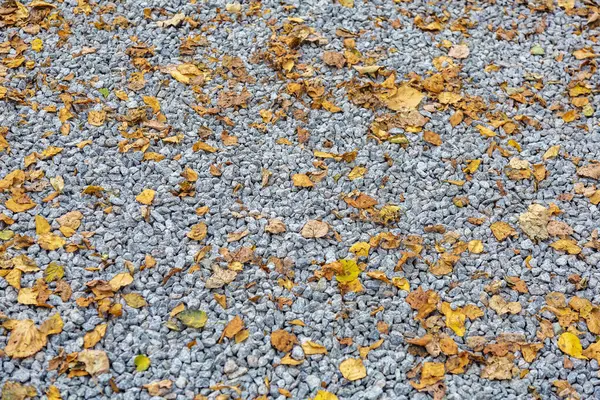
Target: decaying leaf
[
  {"x": 501, "y": 306},
  {"x": 282, "y": 340},
  {"x": 91, "y": 338},
  {"x": 275, "y": 226},
  {"x": 534, "y": 222},
  {"x": 220, "y": 277}
]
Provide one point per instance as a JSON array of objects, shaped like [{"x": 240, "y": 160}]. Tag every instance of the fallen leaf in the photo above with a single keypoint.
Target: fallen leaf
[
  {"x": 567, "y": 245},
  {"x": 25, "y": 339},
  {"x": 502, "y": 230},
  {"x": 302, "y": 180},
  {"x": 220, "y": 278},
  {"x": 193, "y": 318},
  {"x": 534, "y": 222},
  {"x": 158, "y": 388},
  {"x": 455, "y": 319},
  {"x": 353, "y": 369},
  {"x": 282, "y": 340},
  {"x": 91, "y": 338},
  {"x": 96, "y": 361},
  {"x": 570, "y": 344},
  {"x": 501, "y": 306},
  {"x": 314, "y": 229},
  {"x": 146, "y": 196},
  {"x": 141, "y": 362},
  {"x": 120, "y": 280},
  {"x": 311, "y": 348},
  {"x": 459, "y": 51},
  {"x": 134, "y": 300},
  {"x": 198, "y": 231},
  {"x": 232, "y": 328},
  {"x": 275, "y": 226}
]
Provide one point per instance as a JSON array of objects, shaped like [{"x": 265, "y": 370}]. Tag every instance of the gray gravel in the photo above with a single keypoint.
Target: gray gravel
[{"x": 415, "y": 179}]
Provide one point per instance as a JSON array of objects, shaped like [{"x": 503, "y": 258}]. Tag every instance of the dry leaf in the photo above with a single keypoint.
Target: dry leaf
[
  {"x": 314, "y": 229},
  {"x": 232, "y": 328},
  {"x": 567, "y": 245},
  {"x": 302, "y": 180},
  {"x": 96, "y": 361},
  {"x": 312, "y": 348},
  {"x": 534, "y": 222},
  {"x": 501, "y": 306},
  {"x": 198, "y": 232},
  {"x": 502, "y": 230},
  {"x": 220, "y": 278},
  {"x": 353, "y": 369},
  {"x": 275, "y": 226},
  {"x": 91, "y": 338},
  {"x": 283, "y": 340},
  {"x": 146, "y": 196}
]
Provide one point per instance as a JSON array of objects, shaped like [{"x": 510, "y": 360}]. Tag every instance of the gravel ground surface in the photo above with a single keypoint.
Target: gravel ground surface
[{"x": 304, "y": 199}]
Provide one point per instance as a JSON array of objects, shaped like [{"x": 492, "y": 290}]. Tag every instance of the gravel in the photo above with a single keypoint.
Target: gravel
[{"x": 414, "y": 177}]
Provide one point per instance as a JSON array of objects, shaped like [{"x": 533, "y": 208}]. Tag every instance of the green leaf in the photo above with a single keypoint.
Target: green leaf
[
  {"x": 142, "y": 363},
  {"x": 537, "y": 50},
  {"x": 350, "y": 271},
  {"x": 53, "y": 272},
  {"x": 104, "y": 91},
  {"x": 193, "y": 318}
]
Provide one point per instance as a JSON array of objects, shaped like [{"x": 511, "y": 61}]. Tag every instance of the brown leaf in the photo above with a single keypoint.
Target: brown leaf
[
  {"x": 25, "y": 339},
  {"x": 275, "y": 226},
  {"x": 232, "y": 328},
  {"x": 501, "y": 306},
  {"x": 334, "y": 59},
  {"x": 302, "y": 180},
  {"x": 283, "y": 340},
  {"x": 590, "y": 171},
  {"x": 314, "y": 229},
  {"x": 235, "y": 236},
  {"x": 96, "y": 361},
  {"x": 198, "y": 231},
  {"x": 499, "y": 368},
  {"x": 432, "y": 138},
  {"x": 91, "y": 338},
  {"x": 534, "y": 222},
  {"x": 220, "y": 278},
  {"x": 502, "y": 230}
]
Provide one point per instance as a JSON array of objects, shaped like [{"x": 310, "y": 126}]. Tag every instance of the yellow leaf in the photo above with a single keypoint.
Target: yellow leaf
[
  {"x": 50, "y": 242},
  {"x": 41, "y": 225},
  {"x": 360, "y": 249},
  {"x": 357, "y": 172},
  {"x": 53, "y": 272},
  {"x": 134, "y": 300},
  {"x": 350, "y": 271},
  {"x": 25, "y": 339},
  {"x": 502, "y": 230},
  {"x": 567, "y": 245},
  {"x": 311, "y": 348},
  {"x": 455, "y": 319},
  {"x": 37, "y": 44},
  {"x": 347, "y": 3},
  {"x": 96, "y": 118},
  {"x": 475, "y": 246},
  {"x": 353, "y": 369},
  {"x": 193, "y": 318},
  {"x": 198, "y": 231},
  {"x": 401, "y": 283},
  {"x": 472, "y": 166},
  {"x": 325, "y": 395},
  {"x": 53, "y": 393},
  {"x": 152, "y": 102},
  {"x": 302, "y": 180},
  {"x": 405, "y": 97},
  {"x": 141, "y": 362},
  {"x": 487, "y": 132},
  {"x": 91, "y": 338},
  {"x": 16, "y": 206},
  {"x": 288, "y": 360},
  {"x": 569, "y": 344},
  {"x": 120, "y": 280},
  {"x": 146, "y": 196},
  {"x": 551, "y": 152}
]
